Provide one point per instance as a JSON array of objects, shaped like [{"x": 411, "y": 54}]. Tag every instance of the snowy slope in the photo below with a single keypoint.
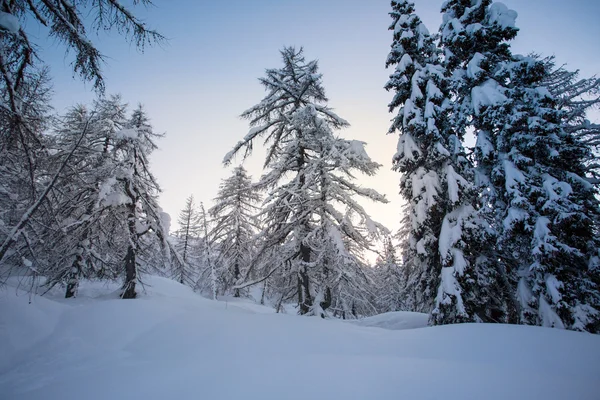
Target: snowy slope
[{"x": 173, "y": 344}]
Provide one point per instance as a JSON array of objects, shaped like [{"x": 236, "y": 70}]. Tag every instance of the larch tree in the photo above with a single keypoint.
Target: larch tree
[
  {"x": 303, "y": 156},
  {"x": 25, "y": 96},
  {"x": 235, "y": 226},
  {"x": 145, "y": 218},
  {"x": 187, "y": 243}
]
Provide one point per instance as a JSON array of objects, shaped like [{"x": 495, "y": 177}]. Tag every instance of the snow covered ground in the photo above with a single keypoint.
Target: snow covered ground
[{"x": 173, "y": 344}]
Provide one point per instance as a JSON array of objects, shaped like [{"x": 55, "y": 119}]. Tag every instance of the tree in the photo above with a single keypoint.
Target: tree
[
  {"x": 530, "y": 170},
  {"x": 87, "y": 247},
  {"x": 188, "y": 237},
  {"x": 388, "y": 278},
  {"x": 235, "y": 225},
  {"x": 139, "y": 189},
  {"x": 210, "y": 268},
  {"x": 66, "y": 22},
  {"x": 24, "y": 108},
  {"x": 576, "y": 97},
  {"x": 303, "y": 188},
  {"x": 22, "y": 158},
  {"x": 447, "y": 279}
]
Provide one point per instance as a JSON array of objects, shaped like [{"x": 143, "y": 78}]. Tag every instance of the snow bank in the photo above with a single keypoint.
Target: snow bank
[
  {"x": 172, "y": 344},
  {"x": 394, "y": 321}
]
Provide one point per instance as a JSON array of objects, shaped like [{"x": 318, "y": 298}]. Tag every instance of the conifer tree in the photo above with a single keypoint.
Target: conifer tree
[
  {"x": 303, "y": 156},
  {"x": 187, "y": 242},
  {"x": 447, "y": 278},
  {"x": 235, "y": 225},
  {"x": 530, "y": 170},
  {"x": 137, "y": 184},
  {"x": 388, "y": 278}
]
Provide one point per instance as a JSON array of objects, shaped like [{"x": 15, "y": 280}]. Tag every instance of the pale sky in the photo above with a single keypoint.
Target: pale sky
[{"x": 195, "y": 87}]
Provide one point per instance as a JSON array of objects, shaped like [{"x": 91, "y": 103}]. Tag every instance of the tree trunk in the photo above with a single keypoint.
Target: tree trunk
[
  {"x": 304, "y": 297},
  {"x": 326, "y": 303},
  {"x": 73, "y": 281},
  {"x": 130, "y": 275},
  {"x": 236, "y": 273}
]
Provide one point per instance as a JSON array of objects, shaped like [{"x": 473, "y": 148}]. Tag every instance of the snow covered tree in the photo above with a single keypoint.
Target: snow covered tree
[
  {"x": 86, "y": 249},
  {"x": 310, "y": 172},
  {"x": 139, "y": 191},
  {"x": 388, "y": 278},
  {"x": 551, "y": 205},
  {"x": 209, "y": 275},
  {"x": 25, "y": 174},
  {"x": 235, "y": 225},
  {"x": 187, "y": 243},
  {"x": 531, "y": 172},
  {"x": 577, "y": 97},
  {"x": 447, "y": 278}
]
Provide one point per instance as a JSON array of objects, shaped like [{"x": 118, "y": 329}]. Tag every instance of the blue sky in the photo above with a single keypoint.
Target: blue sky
[{"x": 195, "y": 86}]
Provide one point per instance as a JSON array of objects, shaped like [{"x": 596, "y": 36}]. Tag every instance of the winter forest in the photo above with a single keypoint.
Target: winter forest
[{"x": 497, "y": 165}]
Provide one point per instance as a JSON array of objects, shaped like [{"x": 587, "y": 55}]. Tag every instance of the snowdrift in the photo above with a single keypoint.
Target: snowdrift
[
  {"x": 396, "y": 321},
  {"x": 172, "y": 344}
]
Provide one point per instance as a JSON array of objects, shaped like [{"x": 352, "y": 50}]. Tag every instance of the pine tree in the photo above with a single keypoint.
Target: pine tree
[
  {"x": 235, "y": 225},
  {"x": 302, "y": 157},
  {"x": 447, "y": 277}
]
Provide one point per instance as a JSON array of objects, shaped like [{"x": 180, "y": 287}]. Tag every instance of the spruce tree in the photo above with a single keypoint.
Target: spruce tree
[
  {"x": 531, "y": 172},
  {"x": 447, "y": 278}
]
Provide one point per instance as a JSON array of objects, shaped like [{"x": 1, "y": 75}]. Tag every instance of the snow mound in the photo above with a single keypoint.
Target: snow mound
[
  {"x": 172, "y": 344},
  {"x": 395, "y": 321}
]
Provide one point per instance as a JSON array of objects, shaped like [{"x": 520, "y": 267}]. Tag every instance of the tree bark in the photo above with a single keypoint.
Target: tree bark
[
  {"x": 130, "y": 274},
  {"x": 304, "y": 297},
  {"x": 73, "y": 281},
  {"x": 130, "y": 258}
]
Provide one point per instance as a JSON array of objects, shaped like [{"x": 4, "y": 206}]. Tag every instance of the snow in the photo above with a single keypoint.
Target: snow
[
  {"x": 455, "y": 182},
  {"x": 512, "y": 176},
  {"x": 425, "y": 187},
  {"x": 500, "y": 14},
  {"x": 473, "y": 69},
  {"x": 452, "y": 229},
  {"x": 489, "y": 93},
  {"x": 548, "y": 316},
  {"x": 9, "y": 22},
  {"x": 171, "y": 343},
  {"x": 553, "y": 285},
  {"x": 124, "y": 134},
  {"x": 395, "y": 321},
  {"x": 404, "y": 63},
  {"x": 542, "y": 237},
  {"x": 407, "y": 148}
]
